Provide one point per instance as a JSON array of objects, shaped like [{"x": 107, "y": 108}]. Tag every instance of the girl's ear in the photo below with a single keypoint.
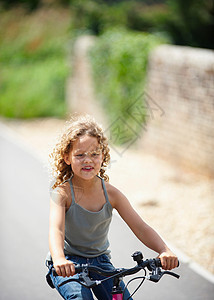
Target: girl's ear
[{"x": 66, "y": 159}]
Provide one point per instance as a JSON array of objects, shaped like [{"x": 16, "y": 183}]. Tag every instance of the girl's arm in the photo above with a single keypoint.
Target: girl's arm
[
  {"x": 143, "y": 231},
  {"x": 62, "y": 266}
]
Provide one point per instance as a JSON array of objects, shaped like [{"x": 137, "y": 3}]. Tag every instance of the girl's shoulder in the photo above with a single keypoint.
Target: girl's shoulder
[
  {"x": 63, "y": 189},
  {"x": 114, "y": 194},
  {"x": 111, "y": 189},
  {"x": 62, "y": 194}
]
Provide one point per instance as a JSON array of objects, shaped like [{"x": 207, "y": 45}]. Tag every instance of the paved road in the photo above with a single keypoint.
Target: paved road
[{"x": 24, "y": 237}]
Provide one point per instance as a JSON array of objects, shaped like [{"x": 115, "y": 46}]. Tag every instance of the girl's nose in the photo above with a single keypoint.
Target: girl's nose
[{"x": 87, "y": 158}]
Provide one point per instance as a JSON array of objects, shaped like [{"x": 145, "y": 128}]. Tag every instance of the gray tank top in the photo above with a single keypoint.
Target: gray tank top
[{"x": 86, "y": 232}]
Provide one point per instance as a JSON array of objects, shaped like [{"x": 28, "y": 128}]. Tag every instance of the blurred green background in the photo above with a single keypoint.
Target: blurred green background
[{"x": 36, "y": 39}]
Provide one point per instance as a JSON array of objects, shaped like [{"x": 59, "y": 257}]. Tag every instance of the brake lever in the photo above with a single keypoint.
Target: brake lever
[
  {"x": 171, "y": 273},
  {"x": 157, "y": 274},
  {"x": 83, "y": 279},
  {"x": 86, "y": 280}
]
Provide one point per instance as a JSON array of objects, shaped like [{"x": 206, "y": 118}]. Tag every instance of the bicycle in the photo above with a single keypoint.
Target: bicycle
[{"x": 152, "y": 265}]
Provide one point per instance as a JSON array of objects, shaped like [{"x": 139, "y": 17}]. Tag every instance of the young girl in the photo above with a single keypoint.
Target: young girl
[{"x": 81, "y": 207}]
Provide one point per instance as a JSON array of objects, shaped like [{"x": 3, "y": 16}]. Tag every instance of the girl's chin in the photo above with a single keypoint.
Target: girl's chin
[{"x": 86, "y": 174}]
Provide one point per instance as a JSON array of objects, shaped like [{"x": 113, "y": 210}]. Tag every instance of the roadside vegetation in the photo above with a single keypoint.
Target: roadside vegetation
[
  {"x": 119, "y": 63},
  {"x": 36, "y": 38},
  {"x": 33, "y": 63}
]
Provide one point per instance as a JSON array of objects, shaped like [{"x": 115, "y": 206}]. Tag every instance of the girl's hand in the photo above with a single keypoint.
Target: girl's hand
[
  {"x": 64, "y": 267},
  {"x": 168, "y": 260}
]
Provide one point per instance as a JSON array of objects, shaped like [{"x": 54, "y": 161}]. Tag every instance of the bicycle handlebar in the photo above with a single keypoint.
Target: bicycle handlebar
[{"x": 152, "y": 265}]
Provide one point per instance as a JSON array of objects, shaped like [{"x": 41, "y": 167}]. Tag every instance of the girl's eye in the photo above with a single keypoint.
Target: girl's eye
[
  {"x": 79, "y": 155},
  {"x": 94, "y": 154}
]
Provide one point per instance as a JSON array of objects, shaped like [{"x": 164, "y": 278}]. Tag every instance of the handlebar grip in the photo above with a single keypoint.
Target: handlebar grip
[
  {"x": 158, "y": 263},
  {"x": 78, "y": 269}
]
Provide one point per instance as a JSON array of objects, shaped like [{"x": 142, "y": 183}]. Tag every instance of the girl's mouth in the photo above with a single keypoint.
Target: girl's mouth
[{"x": 87, "y": 169}]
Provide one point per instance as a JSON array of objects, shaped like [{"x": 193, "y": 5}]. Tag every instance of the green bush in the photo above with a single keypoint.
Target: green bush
[
  {"x": 119, "y": 61},
  {"x": 33, "y": 90},
  {"x": 96, "y": 16},
  {"x": 148, "y": 18},
  {"x": 33, "y": 64},
  {"x": 28, "y": 4}
]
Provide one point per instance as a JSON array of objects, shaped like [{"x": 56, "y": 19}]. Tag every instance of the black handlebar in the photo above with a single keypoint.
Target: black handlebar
[{"x": 153, "y": 265}]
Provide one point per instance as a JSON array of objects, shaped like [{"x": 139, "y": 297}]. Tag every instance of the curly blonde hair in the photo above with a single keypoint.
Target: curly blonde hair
[{"x": 78, "y": 125}]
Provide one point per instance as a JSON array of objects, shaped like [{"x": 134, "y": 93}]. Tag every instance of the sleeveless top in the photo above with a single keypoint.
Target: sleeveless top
[{"x": 86, "y": 232}]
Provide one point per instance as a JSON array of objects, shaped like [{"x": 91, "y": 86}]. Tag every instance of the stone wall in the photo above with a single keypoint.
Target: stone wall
[
  {"x": 181, "y": 85},
  {"x": 80, "y": 94}
]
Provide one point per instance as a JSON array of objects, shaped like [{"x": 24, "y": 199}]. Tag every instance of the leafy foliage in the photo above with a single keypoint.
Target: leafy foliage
[
  {"x": 33, "y": 64},
  {"x": 119, "y": 59},
  {"x": 184, "y": 22},
  {"x": 191, "y": 22}
]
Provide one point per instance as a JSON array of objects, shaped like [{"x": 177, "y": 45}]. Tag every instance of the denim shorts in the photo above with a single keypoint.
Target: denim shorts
[{"x": 74, "y": 290}]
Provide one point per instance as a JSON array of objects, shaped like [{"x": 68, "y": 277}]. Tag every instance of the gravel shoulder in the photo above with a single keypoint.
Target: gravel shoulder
[{"x": 177, "y": 203}]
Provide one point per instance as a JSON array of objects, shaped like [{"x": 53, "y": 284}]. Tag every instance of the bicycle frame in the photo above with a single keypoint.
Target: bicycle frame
[
  {"x": 117, "y": 297},
  {"x": 117, "y": 293}
]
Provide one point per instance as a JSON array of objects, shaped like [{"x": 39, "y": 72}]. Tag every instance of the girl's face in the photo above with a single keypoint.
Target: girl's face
[{"x": 85, "y": 157}]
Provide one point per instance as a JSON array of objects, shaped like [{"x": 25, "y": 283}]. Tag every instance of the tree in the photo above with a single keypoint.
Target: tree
[{"x": 192, "y": 22}]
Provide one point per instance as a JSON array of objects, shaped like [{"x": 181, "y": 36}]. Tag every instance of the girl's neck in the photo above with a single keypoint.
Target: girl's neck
[{"x": 85, "y": 184}]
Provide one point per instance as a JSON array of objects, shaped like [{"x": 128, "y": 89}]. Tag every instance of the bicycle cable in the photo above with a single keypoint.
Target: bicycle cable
[{"x": 140, "y": 277}]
